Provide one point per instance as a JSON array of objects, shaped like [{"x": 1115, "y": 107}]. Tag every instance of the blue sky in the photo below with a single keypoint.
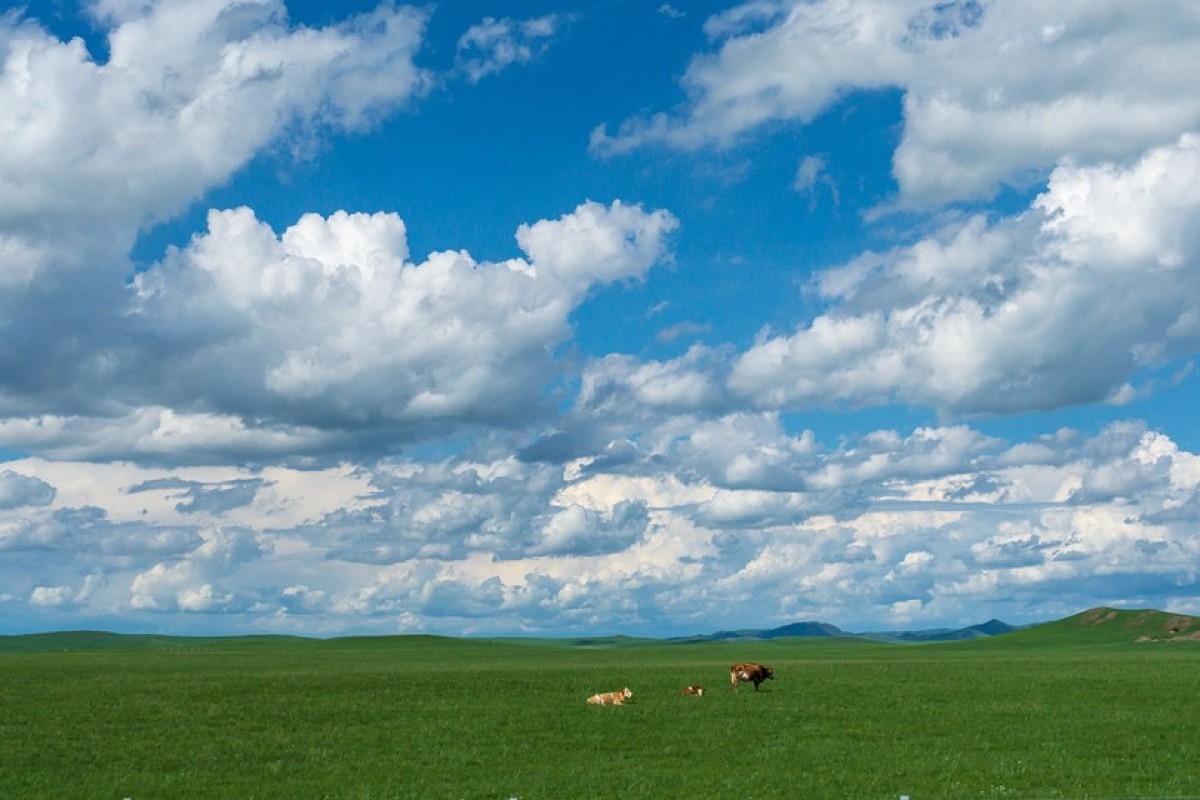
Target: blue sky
[{"x": 560, "y": 318}]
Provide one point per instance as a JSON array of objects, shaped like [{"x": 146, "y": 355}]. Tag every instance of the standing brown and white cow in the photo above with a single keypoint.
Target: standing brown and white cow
[{"x": 749, "y": 671}]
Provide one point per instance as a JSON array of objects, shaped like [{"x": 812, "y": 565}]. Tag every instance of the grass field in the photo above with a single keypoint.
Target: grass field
[{"x": 1066, "y": 710}]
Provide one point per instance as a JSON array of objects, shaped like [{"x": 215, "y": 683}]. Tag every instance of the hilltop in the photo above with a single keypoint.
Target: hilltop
[{"x": 1104, "y": 624}]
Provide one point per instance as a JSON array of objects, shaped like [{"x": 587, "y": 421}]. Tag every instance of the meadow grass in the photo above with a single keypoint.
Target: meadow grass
[{"x": 424, "y": 717}]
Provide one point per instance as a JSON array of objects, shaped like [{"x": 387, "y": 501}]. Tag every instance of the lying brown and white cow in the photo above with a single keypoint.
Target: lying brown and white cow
[
  {"x": 751, "y": 672},
  {"x": 692, "y": 691},
  {"x": 611, "y": 698}
]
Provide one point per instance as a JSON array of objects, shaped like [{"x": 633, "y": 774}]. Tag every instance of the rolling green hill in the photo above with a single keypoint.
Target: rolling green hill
[
  {"x": 77, "y": 641},
  {"x": 1105, "y": 625}
]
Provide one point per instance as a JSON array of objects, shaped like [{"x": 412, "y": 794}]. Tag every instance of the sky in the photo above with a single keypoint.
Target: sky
[{"x": 555, "y": 318}]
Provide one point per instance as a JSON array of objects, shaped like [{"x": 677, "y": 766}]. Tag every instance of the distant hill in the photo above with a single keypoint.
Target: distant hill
[
  {"x": 1118, "y": 626},
  {"x": 824, "y": 629},
  {"x": 792, "y": 629},
  {"x": 75, "y": 641},
  {"x": 85, "y": 640},
  {"x": 992, "y": 627}
]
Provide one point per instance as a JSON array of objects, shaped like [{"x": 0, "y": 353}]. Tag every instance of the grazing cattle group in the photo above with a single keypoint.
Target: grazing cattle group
[{"x": 741, "y": 672}]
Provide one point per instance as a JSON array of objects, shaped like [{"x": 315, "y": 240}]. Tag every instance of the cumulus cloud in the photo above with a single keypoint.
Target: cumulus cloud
[
  {"x": 618, "y": 386},
  {"x": 1058, "y": 306},
  {"x": 195, "y": 582},
  {"x": 576, "y": 530},
  {"x": 308, "y": 340},
  {"x": 1072, "y": 301},
  {"x": 51, "y": 596},
  {"x": 331, "y": 324},
  {"x": 95, "y": 151},
  {"x": 17, "y": 490},
  {"x": 138, "y": 136},
  {"x": 994, "y": 93}
]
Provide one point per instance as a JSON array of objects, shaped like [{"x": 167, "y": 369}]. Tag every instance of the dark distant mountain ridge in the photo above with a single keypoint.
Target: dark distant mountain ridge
[
  {"x": 792, "y": 629},
  {"x": 993, "y": 627}
]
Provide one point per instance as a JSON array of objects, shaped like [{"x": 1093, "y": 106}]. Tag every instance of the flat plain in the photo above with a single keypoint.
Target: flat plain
[{"x": 1099, "y": 706}]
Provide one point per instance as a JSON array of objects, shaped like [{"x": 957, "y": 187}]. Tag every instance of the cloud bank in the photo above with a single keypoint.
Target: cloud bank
[{"x": 892, "y": 528}]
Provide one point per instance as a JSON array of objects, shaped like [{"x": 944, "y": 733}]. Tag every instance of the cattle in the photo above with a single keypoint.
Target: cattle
[
  {"x": 749, "y": 671},
  {"x": 610, "y": 698},
  {"x": 692, "y": 691}
]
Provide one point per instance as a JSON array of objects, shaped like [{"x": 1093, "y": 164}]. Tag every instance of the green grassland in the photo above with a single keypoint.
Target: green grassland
[{"x": 1096, "y": 707}]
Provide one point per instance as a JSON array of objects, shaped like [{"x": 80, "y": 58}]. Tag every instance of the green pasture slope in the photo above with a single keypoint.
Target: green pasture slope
[{"x": 1074, "y": 709}]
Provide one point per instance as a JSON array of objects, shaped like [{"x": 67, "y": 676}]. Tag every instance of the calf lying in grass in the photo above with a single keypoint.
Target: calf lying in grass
[{"x": 611, "y": 698}]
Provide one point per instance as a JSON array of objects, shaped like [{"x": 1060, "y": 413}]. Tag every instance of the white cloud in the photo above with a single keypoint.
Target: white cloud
[
  {"x": 248, "y": 342},
  {"x": 137, "y": 137},
  {"x": 495, "y": 44},
  {"x": 793, "y": 68},
  {"x": 597, "y": 245},
  {"x": 331, "y": 320},
  {"x": 994, "y": 93},
  {"x": 1054, "y": 307},
  {"x": 17, "y": 490},
  {"x": 618, "y": 386},
  {"x": 576, "y": 530},
  {"x": 51, "y": 596},
  {"x": 194, "y": 583},
  {"x": 741, "y": 450},
  {"x": 94, "y": 152},
  {"x": 65, "y": 596}
]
